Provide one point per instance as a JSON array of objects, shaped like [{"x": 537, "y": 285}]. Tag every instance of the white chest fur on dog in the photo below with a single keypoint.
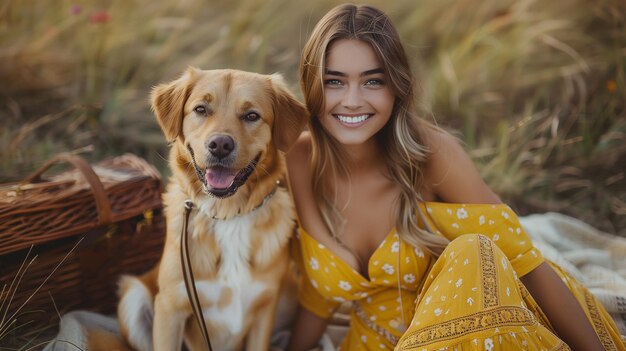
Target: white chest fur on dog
[
  {"x": 233, "y": 238},
  {"x": 230, "y": 315},
  {"x": 230, "y": 319}
]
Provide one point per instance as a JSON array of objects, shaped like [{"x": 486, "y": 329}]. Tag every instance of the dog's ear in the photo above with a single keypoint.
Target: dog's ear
[
  {"x": 290, "y": 115},
  {"x": 168, "y": 102}
]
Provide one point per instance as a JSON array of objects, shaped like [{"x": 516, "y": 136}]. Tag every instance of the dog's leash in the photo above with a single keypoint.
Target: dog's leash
[{"x": 190, "y": 282}]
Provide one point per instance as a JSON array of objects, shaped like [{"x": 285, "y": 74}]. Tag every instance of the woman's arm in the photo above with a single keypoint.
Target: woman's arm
[
  {"x": 308, "y": 327},
  {"x": 306, "y": 331},
  {"x": 452, "y": 176},
  {"x": 561, "y": 308}
]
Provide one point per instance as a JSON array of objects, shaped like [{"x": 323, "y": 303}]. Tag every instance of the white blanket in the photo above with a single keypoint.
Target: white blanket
[{"x": 595, "y": 258}]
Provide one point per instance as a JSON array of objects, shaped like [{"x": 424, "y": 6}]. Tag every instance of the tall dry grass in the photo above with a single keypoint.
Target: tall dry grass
[
  {"x": 535, "y": 88},
  {"x": 18, "y": 329}
]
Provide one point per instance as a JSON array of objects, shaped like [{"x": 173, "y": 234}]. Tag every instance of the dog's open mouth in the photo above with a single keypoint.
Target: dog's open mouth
[{"x": 221, "y": 181}]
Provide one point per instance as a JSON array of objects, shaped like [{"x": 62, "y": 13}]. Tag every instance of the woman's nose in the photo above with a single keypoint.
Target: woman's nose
[{"x": 352, "y": 98}]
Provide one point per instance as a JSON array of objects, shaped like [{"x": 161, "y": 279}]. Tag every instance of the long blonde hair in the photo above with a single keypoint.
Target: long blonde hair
[{"x": 401, "y": 138}]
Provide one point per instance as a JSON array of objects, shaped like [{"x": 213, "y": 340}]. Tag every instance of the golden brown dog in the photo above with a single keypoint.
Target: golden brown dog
[{"x": 227, "y": 129}]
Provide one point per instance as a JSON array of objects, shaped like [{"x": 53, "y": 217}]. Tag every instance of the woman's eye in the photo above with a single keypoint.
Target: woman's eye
[
  {"x": 201, "y": 110},
  {"x": 374, "y": 82},
  {"x": 332, "y": 82},
  {"x": 251, "y": 116}
]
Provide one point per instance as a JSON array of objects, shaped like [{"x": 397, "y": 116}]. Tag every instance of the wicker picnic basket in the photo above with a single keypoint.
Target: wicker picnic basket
[
  {"x": 37, "y": 211},
  {"x": 85, "y": 226}
]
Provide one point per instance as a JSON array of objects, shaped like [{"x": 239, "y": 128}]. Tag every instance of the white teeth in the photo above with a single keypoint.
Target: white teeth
[{"x": 352, "y": 120}]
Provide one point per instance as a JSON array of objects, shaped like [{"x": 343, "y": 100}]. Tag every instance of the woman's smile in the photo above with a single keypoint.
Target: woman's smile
[{"x": 352, "y": 120}]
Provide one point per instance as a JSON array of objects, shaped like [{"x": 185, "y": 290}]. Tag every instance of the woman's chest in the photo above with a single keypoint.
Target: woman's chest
[
  {"x": 393, "y": 264},
  {"x": 369, "y": 213}
]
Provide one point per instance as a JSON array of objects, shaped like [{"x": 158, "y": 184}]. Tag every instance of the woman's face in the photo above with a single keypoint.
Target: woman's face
[{"x": 358, "y": 99}]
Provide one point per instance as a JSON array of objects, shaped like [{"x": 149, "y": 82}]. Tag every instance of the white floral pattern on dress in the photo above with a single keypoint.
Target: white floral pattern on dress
[
  {"x": 314, "y": 264},
  {"x": 344, "y": 285},
  {"x": 488, "y": 344},
  {"x": 395, "y": 247},
  {"x": 409, "y": 278},
  {"x": 461, "y": 213},
  {"x": 388, "y": 268}
]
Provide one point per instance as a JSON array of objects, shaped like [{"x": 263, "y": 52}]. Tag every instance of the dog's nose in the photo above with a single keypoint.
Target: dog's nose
[{"x": 221, "y": 145}]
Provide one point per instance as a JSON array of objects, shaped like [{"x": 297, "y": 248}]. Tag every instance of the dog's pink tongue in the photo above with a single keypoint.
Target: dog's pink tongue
[{"x": 220, "y": 178}]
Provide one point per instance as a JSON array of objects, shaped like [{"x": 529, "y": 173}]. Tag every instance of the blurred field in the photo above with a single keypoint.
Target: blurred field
[{"x": 535, "y": 88}]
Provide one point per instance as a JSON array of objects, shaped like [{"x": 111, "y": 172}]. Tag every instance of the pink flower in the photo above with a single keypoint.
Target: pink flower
[{"x": 77, "y": 9}]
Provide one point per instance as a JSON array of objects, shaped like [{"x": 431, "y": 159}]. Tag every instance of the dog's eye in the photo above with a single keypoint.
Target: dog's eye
[
  {"x": 201, "y": 110},
  {"x": 251, "y": 117}
]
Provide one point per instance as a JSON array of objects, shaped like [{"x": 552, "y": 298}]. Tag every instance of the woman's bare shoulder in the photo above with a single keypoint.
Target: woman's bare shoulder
[
  {"x": 299, "y": 172},
  {"x": 299, "y": 157},
  {"x": 451, "y": 174}
]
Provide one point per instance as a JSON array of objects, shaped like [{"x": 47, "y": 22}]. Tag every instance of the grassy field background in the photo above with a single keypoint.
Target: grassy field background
[{"x": 536, "y": 89}]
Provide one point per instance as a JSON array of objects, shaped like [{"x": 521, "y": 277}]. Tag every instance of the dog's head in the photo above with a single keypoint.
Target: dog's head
[{"x": 229, "y": 122}]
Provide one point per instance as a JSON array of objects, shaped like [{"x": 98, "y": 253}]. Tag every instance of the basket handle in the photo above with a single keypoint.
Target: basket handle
[{"x": 97, "y": 189}]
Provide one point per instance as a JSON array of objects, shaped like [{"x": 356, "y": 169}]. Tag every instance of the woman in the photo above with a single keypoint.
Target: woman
[{"x": 364, "y": 181}]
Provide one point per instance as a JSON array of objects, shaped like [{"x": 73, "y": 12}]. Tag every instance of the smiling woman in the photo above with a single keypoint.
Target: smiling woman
[{"x": 395, "y": 218}]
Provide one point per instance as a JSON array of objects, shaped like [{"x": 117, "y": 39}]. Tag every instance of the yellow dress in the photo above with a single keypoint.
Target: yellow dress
[{"x": 467, "y": 299}]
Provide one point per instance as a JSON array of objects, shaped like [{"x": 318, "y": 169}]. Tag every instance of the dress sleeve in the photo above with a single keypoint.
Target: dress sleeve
[
  {"x": 308, "y": 295},
  {"x": 498, "y": 222}
]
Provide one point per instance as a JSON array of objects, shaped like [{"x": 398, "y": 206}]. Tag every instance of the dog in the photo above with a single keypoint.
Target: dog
[{"x": 228, "y": 131}]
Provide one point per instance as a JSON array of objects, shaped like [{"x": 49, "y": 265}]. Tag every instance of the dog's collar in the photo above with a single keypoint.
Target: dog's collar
[{"x": 263, "y": 202}]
